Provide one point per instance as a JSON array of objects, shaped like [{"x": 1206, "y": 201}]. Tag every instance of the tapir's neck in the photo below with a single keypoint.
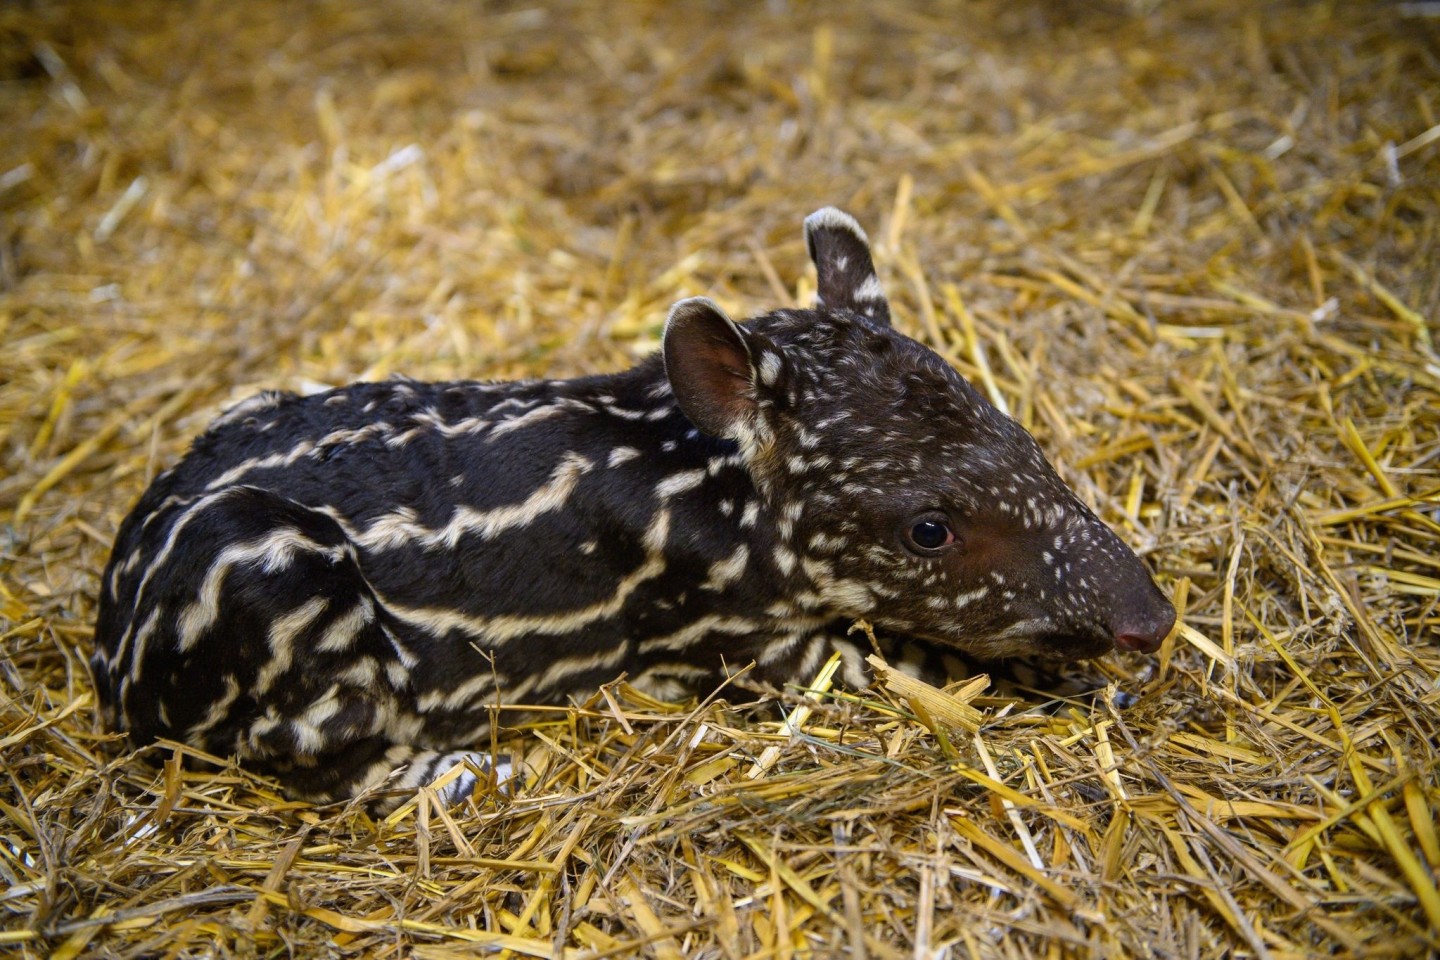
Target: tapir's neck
[{"x": 717, "y": 513}]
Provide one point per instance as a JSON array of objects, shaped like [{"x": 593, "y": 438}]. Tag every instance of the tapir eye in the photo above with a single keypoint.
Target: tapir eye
[{"x": 929, "y": 533}]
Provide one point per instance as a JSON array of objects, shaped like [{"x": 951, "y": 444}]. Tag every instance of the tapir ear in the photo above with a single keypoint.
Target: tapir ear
[
  {"x": 841, "y": 252},
  {"x": 710, "y": 369}
]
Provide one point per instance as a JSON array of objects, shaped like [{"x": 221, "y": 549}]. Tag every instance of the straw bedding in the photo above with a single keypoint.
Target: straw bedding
[{"x": 1194, "y": 246}]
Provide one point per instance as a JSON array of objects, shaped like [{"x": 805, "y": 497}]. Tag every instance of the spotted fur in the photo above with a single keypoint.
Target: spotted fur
[{"x": 339, "y": 589}]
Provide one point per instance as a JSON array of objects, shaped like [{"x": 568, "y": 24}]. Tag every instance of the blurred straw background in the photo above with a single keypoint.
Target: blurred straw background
[{"x": 1194, "y": 245}]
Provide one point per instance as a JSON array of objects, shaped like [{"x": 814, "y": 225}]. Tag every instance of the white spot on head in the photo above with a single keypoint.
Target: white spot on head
[
  {"x": 769, "y": 368},
  {"x": 679, "y": 483},
  {"x": 850, "y": 596},
  {"x": 727, "y": 571},
  {"x": 965, "y": 599},
  {"x": 785, "y": 560}
]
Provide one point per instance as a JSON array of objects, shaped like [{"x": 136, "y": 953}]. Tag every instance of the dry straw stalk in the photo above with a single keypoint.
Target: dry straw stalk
[{"x": 1193, "y": 245}]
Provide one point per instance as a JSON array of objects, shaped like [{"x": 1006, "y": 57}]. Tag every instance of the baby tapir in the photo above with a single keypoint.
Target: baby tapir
[{"x": 337, "y": 589}]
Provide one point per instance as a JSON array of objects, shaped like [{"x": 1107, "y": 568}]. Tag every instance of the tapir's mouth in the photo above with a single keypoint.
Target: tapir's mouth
[
  {"x": 1074, "y": 645},
  {"x": 1048, "y": 642},
  {"x": 1046, "y": 637}
]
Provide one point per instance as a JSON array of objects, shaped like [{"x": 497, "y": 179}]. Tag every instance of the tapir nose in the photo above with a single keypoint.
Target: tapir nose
[{"x": 1142, "y": 630}]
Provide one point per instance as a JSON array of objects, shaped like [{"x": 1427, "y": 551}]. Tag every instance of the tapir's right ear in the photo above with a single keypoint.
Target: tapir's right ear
[
  {"x": 843, "y": 268},
  {"x": 710, "y": 368}
]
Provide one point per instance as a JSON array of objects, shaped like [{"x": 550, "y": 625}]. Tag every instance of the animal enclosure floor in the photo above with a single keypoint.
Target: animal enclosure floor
[{"x": 1194, "y": 246}]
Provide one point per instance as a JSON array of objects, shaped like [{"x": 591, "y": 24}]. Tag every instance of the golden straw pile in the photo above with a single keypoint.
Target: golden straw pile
[{"x": 1194, "y": 246}]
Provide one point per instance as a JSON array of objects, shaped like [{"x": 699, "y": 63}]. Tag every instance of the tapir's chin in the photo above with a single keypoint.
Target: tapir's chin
[
  {"x": 1073, "y": 646},
  {"x": 1050, "y": 643}
]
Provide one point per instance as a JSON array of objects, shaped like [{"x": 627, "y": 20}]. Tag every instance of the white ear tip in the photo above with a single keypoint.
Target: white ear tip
[
  {"x": 691, "y": 307},
  {"x": 692, "y": 304},
  {"x": 833, "y": 218}
]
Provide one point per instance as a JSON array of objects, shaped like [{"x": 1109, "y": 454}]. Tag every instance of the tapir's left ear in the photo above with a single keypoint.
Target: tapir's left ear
[
  {"x": 716, "y": 370},
  {"x": 841, "y": 252}
]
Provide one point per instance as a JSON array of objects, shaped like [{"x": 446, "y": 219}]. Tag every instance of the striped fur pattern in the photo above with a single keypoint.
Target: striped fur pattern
[{"x": 339, "y": 589}]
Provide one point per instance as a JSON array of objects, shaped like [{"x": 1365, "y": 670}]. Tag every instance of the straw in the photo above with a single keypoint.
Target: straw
[{"x": 1191, "y": 244}]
